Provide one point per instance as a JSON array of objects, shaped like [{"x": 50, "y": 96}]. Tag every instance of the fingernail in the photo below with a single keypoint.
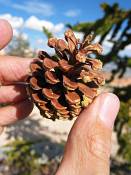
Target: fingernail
[{"x": 109, "y": 107}]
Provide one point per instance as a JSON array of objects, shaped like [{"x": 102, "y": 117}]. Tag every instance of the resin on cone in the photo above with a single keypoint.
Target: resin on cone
[{"x": 61, "y": 86}]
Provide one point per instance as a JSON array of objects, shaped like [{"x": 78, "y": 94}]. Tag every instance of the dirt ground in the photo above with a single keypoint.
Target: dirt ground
[{"x": 35, "y": 127}]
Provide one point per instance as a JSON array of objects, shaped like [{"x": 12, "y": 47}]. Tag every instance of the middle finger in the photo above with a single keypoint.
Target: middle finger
[{"x": 12, "y": 93}]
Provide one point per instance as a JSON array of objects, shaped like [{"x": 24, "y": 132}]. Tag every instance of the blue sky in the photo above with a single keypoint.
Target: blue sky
[
  {"x": 29, "y": 15},
  {"x": 82, "y": 10}
]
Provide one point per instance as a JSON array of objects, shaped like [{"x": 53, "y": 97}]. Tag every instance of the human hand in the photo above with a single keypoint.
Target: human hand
[
  {"x": 12, "y": 71},
  {"x": 87, "y": 151}
]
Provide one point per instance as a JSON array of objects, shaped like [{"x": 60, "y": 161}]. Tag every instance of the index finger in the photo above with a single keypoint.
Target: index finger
[
  {"x": 14, "y": 69},
  {"x": 6, "y": 33}
]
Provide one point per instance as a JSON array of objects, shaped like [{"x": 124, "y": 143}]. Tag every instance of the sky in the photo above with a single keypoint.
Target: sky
[{"x": 28, "y": 16}]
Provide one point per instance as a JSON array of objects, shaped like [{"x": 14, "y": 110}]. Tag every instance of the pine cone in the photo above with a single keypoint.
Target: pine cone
[{"x": 62, "y": 86}]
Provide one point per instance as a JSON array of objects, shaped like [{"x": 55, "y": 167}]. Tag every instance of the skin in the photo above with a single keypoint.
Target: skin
[{"x": 87, "y": 150}]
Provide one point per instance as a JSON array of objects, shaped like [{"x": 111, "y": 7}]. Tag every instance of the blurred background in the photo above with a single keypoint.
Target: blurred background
[{"x": 35, "y": 145}]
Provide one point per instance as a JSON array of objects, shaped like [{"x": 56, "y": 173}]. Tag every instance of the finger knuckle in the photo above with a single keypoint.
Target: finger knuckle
[{"x": 98, "y": 147}]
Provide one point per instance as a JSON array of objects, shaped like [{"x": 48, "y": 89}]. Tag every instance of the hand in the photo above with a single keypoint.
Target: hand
[
  {"x": 88, "y": 147},
  {"x": 12, "y": 69},
  {"x": 87, "y": 151}
]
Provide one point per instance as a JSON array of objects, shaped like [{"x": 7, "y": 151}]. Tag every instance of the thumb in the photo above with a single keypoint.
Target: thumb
[{"x": 89, "y": 143}]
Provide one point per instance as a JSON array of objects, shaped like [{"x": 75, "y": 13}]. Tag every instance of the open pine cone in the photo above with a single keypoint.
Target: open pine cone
[{"x": 62, "y": 86}]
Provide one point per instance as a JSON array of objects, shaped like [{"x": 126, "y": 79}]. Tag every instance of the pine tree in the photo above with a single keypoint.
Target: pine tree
[{"x": 19, "y": 46}]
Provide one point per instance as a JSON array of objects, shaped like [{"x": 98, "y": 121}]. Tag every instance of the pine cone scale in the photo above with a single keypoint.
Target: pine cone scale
[
  {"x": 72, "y": 98},
  {"x": 49, "y": 64},
  {"x": 57, "y": 105},
  {"x": 50, "y": 94},
  {"x": 34, "y": 83},
  {"x": 64, "y": 65},
  {"x": 37, "y": 99},
  {"x": 51, "y": 77},
  {"x": 88, "y": 92},
  {"x": 35, "y": 67},
  {"x": 69, "y": 84}
]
